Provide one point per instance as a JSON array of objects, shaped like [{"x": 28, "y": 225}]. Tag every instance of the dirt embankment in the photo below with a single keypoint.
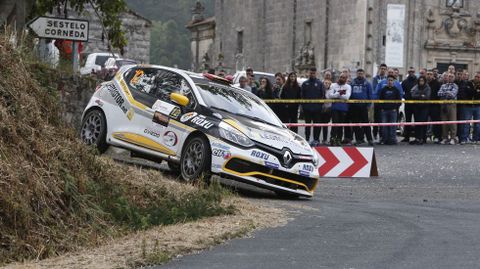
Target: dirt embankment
[{"x": 59, "y": 196}]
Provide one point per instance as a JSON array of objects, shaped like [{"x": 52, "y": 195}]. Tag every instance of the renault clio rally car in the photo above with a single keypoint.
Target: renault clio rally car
[{"x": 201, "y": 126}]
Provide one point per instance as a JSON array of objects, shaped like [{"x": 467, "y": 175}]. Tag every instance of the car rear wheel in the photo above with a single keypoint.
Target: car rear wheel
[
  {"x": 94, "y": 130},
  {"x": 195, "y": 160}
]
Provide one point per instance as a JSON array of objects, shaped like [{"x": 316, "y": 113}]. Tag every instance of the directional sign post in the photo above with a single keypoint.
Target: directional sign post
[
  {"x": 57, "y": 28},
  {"x": 66, "y": 29}
]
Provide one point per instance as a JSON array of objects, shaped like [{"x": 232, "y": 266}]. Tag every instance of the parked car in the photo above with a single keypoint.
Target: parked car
[
  {"x": 95, "y": 61},
  {"x": 200, "y": 125},
  {"x": 112, "y": 65}
]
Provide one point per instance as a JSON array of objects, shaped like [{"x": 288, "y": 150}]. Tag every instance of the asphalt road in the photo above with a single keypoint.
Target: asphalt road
[{"x": 422, "y": 212}]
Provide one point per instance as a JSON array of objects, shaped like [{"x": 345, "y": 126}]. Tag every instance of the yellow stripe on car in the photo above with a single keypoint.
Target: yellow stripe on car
[
  {"x": 142, "y": 141},
  {"x": 130, "y": 98}
]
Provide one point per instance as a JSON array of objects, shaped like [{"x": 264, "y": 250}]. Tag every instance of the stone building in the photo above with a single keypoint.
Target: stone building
[
  {"x": 137, "y": 32},
  {"x": 202, "y": 39},
  {"x": 282, "y": 35}
]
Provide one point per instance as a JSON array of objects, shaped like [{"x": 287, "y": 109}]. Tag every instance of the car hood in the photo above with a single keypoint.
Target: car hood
[{"x": 269, "y": 135}]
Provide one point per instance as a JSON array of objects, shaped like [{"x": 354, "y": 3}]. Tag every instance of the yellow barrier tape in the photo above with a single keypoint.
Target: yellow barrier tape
[{"x": 321, "y": 101}]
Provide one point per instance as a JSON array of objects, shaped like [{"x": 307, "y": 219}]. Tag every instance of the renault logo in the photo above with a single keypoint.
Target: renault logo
[{"x": 287, "y": 157}]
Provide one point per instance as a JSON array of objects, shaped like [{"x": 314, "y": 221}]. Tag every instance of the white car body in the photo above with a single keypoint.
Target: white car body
[{"x": 277, "y": 159}]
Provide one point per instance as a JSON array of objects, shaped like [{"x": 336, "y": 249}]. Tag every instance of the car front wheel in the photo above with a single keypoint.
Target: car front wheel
[
  {"x": 94, "y": 130},
  {"x": 195, "y": 160}
]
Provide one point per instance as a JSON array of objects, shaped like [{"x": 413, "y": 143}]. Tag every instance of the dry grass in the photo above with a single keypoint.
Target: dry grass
[
  {"x": 160, "y": 244},
  {"x": 57, "y": 194}
]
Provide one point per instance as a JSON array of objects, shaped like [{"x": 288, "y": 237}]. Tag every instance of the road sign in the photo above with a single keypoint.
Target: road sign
[
  {"x": 58, "y": 28},
  {"x": 347, "y": 162}
]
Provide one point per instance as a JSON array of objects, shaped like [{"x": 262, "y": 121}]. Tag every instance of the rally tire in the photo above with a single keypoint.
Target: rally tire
[
  {"x": 93, "y": 130},
  {"x": 195, "y": 160}
]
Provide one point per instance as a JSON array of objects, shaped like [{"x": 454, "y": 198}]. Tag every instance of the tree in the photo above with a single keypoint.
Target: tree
[
  {"x": 107, "y": 10},
  {"x": 170, "y": 40},
  {"x": 168, "y": 46}
]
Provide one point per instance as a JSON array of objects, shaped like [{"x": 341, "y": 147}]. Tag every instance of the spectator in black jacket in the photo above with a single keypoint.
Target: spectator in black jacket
[
  {"x": 434, "y": 109},
  {"x": 312, "y": 89},
  {"x": 476, "y": 108},
  {"x": 389, "y": 110},
  {"x": 291, "y": 90},
  {"x": 464, "y": 111},
  {"x": 407, "y": 86},
  {"x": 279, "y": 109},
  {"x": 421, "y": 92},
  {"x": 466, "y": 91}
]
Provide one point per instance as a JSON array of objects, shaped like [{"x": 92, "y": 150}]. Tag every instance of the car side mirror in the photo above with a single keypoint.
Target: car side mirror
[{"x": 179, "y": 99}]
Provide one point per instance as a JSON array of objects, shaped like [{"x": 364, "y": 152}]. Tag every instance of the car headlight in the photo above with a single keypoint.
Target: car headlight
[{"x": 233, "y": 135}]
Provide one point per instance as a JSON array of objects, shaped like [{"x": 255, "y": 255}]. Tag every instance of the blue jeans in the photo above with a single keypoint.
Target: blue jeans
[
  {"x": 389, "y": 132},
  {"x": 468, "y": 113}
]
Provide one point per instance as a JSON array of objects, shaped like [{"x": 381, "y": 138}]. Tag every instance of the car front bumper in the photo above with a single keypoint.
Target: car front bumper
[{"x": 263, "y": 169}]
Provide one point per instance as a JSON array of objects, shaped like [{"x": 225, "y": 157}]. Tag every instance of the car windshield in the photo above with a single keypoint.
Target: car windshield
[{"x": 238, "y": 102}]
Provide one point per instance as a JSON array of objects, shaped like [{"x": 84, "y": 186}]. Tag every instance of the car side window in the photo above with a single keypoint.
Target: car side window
[{"x": 153, "y": 84}]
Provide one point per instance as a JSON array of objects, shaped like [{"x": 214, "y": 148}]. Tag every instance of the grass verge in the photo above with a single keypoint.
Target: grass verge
[{"x": 57, "y": 195}]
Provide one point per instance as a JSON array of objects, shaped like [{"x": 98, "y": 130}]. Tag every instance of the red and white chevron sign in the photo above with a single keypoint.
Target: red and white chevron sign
[{"x": 347, "y": 162}]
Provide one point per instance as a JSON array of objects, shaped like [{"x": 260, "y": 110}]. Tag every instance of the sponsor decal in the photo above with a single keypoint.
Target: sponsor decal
[
  {"x": 308, "y": 168},
  {"x": 221, "y": 153},
  {"x": 271, "y": 165},
  {"x": 170, "y": 138},
  {"x": 222, "y": 146},
  {"x": 117, "y": 97},
  {"x": 152, "y": 133},
  {"x": 165, "y": 108},
  {"x": 260, "y": 155},
  {"x": 304, "y": 173},
  {"x": 188, "y": 116},
  {"x": 202, "y": 121},
  {"x": 175, "y": 113},
  {"x": 130, "y": 113},
  {"x": 160, "y": 119}
]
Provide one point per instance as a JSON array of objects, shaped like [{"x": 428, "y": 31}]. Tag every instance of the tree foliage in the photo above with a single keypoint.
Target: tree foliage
[
  {"x": 170, "y": 40},
  {"x": 108, "y": 10}
]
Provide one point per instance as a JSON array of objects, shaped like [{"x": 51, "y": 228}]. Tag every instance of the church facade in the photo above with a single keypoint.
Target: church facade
[{"x": 285, "y": 35}]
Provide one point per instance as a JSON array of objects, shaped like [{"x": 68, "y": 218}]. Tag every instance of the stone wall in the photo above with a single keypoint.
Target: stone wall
[{"x": 75, "y": 93}]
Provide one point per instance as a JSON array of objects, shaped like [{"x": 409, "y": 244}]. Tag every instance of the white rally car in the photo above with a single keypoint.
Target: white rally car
[{"x": 201, "y": 126}]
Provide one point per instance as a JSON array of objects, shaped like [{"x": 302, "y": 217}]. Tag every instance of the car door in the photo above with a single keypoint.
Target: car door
[{"x": 154, "y": 125}]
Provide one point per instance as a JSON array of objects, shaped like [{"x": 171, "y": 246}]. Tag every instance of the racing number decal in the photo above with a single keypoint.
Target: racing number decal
[
  {"x": 138, "y": 74},
  {"x": 221, "y": 153}
]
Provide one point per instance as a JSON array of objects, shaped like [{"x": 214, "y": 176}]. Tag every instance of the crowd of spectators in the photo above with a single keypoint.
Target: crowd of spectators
[{"x": 386, "y": 85}]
